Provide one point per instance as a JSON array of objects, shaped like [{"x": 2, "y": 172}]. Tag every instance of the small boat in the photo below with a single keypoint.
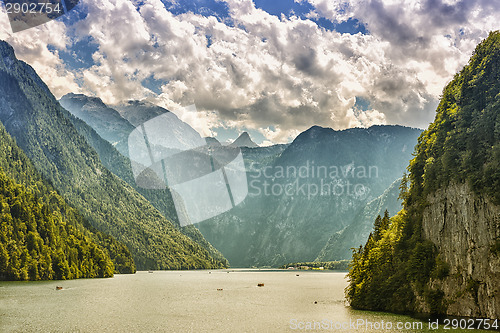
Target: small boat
[
  {"x": 219, "y": 289},
  {"x": 58, "y": 288},
  {"x": 150, "y": 271},
  {"x": 260, "y": 285}
]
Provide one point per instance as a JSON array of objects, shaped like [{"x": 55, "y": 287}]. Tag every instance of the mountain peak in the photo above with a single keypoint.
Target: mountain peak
[
  {"x": 244, "y": 140},
  {"x": 84, "y": 99}
]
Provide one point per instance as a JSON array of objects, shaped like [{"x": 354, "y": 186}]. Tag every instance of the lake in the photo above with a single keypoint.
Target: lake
[{"x": 189, "y": 301}]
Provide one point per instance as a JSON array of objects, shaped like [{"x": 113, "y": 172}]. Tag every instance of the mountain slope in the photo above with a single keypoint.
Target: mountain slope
[
  {"x": 41, "y": 237},
  {"x": 442, "y": 253},
  {"x": 120, "y": 165},
  {"x": 301, "y": 195},
  {"x": 41, "y": 127},
  {"x": 340, "y": 244},
  {"x": 106, "y": 121},
  {"x": 138, "y": 112}
]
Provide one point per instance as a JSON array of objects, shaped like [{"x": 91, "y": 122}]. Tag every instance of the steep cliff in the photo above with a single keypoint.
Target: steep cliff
[
  {"x": 465, "y": 226},
  {"x": 441, "y": 254}
]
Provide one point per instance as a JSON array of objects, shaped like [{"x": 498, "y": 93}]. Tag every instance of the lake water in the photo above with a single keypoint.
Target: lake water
[{"x": 189, "y": 301}]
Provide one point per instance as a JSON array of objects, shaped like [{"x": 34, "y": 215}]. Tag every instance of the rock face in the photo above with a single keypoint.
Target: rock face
[{"x": 465, "y": 226}]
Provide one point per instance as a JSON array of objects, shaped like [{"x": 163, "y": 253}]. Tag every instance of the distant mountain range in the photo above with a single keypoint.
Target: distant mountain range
[
  {"x": 322, "y": 190},
  {"x": 271, "y": 230},
  {"x": 340, "y": 244},
  {"x": 75, "y": 150},
  {"x": 120, "y": 165},
  {"x": 107, "y": 122}
]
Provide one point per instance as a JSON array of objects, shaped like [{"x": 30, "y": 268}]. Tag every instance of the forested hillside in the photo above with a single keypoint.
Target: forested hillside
[
  {"x": 119, "y": 164},
  {"x": 441, "y": 253},
  {"x": 41, "y": 236},
  {"x": 33, "y": 116}
]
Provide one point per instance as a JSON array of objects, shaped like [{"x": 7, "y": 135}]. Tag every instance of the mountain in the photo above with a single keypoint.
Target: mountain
[
  {"x": 303, "y": 193},
  {"x": 31, "y": 114},
  {"x": 41, "y": 236},
  {"x": 441, "y": 254},
  {"x": 340, "y": 244},
  {"x": 120, "y": 165},
  {"x": 244, "y": 141},
  {"x": 107, "y": 122},
  {"x": 138, "y": 112}
]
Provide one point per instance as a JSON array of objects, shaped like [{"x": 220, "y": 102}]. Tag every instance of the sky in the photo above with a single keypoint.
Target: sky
[{"x": 272, "y": 68}]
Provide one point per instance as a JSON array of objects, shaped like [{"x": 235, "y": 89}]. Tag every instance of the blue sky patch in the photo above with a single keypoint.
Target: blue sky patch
[
  {"x": 153, "y": 84},
  {"x": 302, "y": 9},
  {"x": 205, "y": 8},
  {"x": 362, "y": 104},
  {"x": 79, "y": 55}
]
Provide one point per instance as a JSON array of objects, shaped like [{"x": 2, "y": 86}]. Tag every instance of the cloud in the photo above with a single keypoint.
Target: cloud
[
  {"x": 39, "y": 47},
  {"x": 254, "y": 70}
]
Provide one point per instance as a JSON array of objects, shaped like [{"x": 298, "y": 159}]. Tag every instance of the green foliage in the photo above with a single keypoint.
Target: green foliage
[
  {"x": 380, "y": 225},
  {"x": 473, "y": 288},
  {"x": 442, "y": 269},
  {"x": 20, "y": 170},
  {"x": 462, "y": 145},
  {"x": 495, "y": 248},
  {"x": 39, "y": 241},
  {"x": 378, "y": 278},
  {"x": 377, "y": 228},
  {"x": 435, "y": 300}
]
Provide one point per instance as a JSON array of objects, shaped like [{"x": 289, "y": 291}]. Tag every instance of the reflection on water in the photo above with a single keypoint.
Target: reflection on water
[{"x": 192, "y": 301}]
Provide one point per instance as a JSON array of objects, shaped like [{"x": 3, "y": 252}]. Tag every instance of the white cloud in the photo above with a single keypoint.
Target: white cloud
[
  {"x": 275, "y": 75},
  {"x": 31, "y": 46}
]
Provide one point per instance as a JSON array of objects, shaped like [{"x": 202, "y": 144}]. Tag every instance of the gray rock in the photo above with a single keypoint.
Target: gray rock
[{"x": 464, "y": 226}]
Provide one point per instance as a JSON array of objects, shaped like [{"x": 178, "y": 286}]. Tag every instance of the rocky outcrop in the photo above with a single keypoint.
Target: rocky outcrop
[{"x": 465, "y": 228}]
